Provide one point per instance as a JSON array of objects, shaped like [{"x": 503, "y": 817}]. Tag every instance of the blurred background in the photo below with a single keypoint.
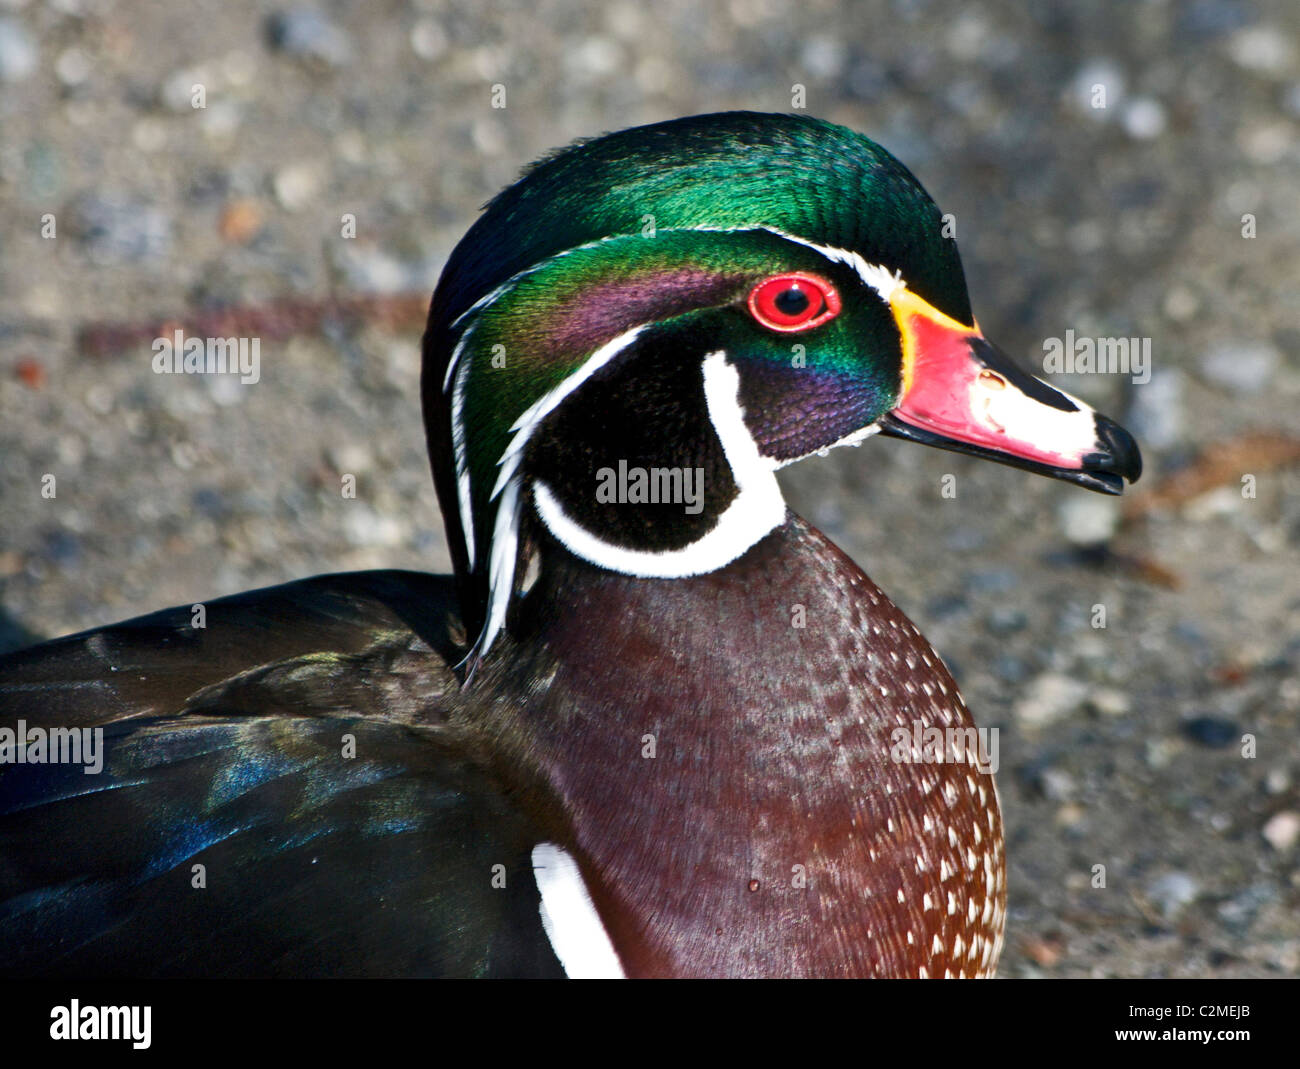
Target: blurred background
[{"x": 1171, "y": 213}]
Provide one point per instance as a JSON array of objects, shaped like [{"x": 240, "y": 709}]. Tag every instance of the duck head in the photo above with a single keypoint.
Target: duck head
[{"x": 636, "y": 335}]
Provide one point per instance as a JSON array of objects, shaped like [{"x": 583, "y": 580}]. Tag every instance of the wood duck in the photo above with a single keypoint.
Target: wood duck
[{"x": 656, "y": 724}]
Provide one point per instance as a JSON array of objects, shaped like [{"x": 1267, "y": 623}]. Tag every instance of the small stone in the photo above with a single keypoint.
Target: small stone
[
  {"x": 1057, "y": 785},
  {"x": 1244, "y": 365},
  {"x": 1070, "y": 816},
  {"x": 1212, "y": 731},
  {"x": 1181, "y": 304},
  {"x": 595, "y": 57},
  {"x": 1157, "y": 413},
  {"x": 428, "y": 39},
  {"x": 363, "y": 527},
  {"x": 72, "y": 67},
  {"x": 240, "y": 222},
  {"x": 1088, "y": 520},
  {"x": 1007, "y": 620},
  {"x": 1265, "y": 49},
  {"x": 1159, "y": 753},
  {"x": 221, "y": 118},
  {"x": 30, "y": 372},
  {"x": 368, "y": 269},
  {"x": 177, "y": 91},
  {"x": 296, "y": 185},
  {"x": 1282, "y": 830},
  {"x": 1144, "y": 118},
  {"x": 1266, "y": 142},
  {"x": 823, "y": 57},
  {"x": 18, "y": 52},
  {"x": 100, "y": 399},
  {"x": 306, "y": 33},
  {"x": 1278, "y": 781},
  {"x": 119, "y": 229},
  {"x": 1173, "y": 891},
  {"x": 1050, "y": 697},
  {"x": 1109, "y": 702},
  {"x": 1010, "y": 669},
  {"x": 349, "y": 458},
  {"x": 1085, "y": 91}
]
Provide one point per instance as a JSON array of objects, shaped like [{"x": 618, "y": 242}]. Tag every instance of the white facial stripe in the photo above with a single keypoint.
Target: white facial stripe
[
  {"x": 756, "y": 511},
  {"x": 505, "y": 532},
  {"x": 458, "y": 445},
  {"x": 548, "y": 402},
  {"x": 501, "y": 565},
  {"x": 878, "y": 277},
  {"x": 570, "y": 919}
]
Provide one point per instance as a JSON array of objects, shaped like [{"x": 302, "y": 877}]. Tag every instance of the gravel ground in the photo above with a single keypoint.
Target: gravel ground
[{"x": 1120, "y": 746}]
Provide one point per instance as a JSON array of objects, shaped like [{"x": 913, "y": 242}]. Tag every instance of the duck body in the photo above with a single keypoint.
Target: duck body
[{"x": 662, "y": 733}]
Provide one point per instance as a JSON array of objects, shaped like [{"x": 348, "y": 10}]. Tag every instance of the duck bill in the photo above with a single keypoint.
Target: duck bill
[{"x": 960, "y": 392}]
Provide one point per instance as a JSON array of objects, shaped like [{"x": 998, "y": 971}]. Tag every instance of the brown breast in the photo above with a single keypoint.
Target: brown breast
[{"x": 743, "y": 763}]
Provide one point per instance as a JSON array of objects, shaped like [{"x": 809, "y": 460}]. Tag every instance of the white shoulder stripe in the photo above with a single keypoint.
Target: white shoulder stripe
[{"x": 572, "y": 924}]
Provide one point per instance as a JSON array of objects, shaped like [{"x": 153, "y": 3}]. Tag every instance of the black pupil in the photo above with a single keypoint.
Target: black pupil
[{"x": 791, "y": 302}]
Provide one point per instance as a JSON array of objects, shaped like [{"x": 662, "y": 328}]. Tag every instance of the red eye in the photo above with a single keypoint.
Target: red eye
[{"x": 794, "y": 302}]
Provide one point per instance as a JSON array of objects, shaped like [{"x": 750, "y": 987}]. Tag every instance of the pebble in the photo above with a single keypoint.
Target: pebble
[
  {"x": 428, "y": 39},
  {"x": 296, "y": 185},
  {"x": 1088, "y": 520},
  {"x": 307, "y": 33},
  {"x": 177, "y": 90},
  {"x": 1243, "y": 365},
  {"x": 1282, "y": 830},
  {"x": 1156, "y": 417},
  {"x": 1264, "y": 49},
  {"x": 240, "y": 221},
  {"x": 1173, "y": 891},
  {"x": 993, "y": 580},
  {"x": 1070, "y": 816},
  {"x": 1104, "y": 72},
  {"x": 1144, "y": 118},
  {"x": 72, "y": 67},
  {"x": 114, "y": 228},
  {"x": 1240, "y": 910},
  {"x": 1010, "y": 669},
  {"x": 1050, "y": 697},
  {"x": 1057, "y": 785},
  {"x": 1109, "y": 702},
  {"x": 369, "y": 269},
  {"x": 1212, "y": 731},
  {"x": 349, "y": 458},
  {"x": 364, "y": 527},
  {"x": 18, "y": 52},
  {"x": 595, "y": 57},
  {"x": 1278, "y": 781},
  {"x": 824, "y": 57},
  {"x": 1007, "y": 620}
]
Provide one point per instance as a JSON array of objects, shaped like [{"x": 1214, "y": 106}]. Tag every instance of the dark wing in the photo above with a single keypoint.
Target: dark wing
[{"x": 281, "y": 794}]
